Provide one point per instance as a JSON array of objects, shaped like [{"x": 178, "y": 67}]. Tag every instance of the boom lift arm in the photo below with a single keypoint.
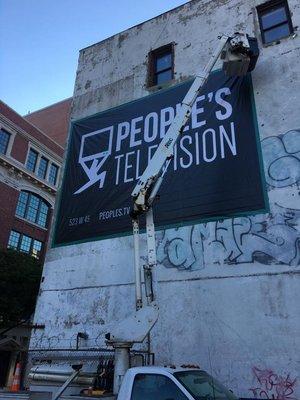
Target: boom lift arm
[{"x": 239, "y": 54}]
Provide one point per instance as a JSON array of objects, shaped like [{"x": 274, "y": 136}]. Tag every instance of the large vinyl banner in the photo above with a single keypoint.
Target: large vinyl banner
[{"x": 215, "y": 172}]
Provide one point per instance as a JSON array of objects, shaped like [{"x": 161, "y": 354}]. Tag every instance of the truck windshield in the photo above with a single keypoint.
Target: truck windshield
[{"x": 202, "y": 386}]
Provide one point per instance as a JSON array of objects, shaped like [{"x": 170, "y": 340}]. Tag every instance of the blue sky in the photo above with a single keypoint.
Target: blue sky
[{"x": 40, "y": 40}]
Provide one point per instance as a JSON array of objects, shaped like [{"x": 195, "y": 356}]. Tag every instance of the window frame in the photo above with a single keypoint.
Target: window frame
[
  {"x": 153, "y": 55},
  {"x": 19, "y": 236},
  {"x": 37, "y": 256},
  {"x": 52, "y": 164},
  {"x": 38, "y": 210},
  {"x": 31, "y": 248},
  {"x": 31, "y": 149},
  {"x": 25, "y": 243},
  {"x": 8, "y": 141},
  {"x": 269, "y": 6},
  {"x": 42, "y": 157},
  {"x": 50, "y": 161}
]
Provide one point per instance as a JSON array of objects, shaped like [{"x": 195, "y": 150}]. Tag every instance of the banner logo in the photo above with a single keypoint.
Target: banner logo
[{"x": 92, "y": 163}]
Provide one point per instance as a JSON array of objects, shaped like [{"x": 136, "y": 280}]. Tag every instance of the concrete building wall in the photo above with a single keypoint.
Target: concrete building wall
[{"x": 228, "y": 290}]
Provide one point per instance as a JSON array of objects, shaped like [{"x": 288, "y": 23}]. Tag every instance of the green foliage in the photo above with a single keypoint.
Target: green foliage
[{"x": 20, "y": 276}]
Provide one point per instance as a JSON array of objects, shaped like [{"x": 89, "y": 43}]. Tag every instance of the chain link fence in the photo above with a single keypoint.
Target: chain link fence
[{"x": 97, "y": 365}]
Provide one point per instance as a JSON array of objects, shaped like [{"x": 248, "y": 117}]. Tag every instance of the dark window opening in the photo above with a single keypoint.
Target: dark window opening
[
  {"x": 274, "y": 20},
  {"x": 161, "y": 65},
  {"x": 25, "y": 244},
  {"x": 4, "y": 140},
  {"x": 33, "y": 208},
  {"x": 31, "y": 160}
]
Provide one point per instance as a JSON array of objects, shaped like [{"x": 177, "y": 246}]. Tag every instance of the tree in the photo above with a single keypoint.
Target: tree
[{"x": 20, "y": 276}]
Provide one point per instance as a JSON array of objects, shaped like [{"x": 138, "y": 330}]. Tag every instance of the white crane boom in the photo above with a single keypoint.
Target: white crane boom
[{"x": 237, "y": 56}]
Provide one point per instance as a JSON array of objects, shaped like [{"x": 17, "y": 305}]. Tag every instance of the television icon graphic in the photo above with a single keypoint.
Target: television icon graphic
[{"x": 95, "y": 148}]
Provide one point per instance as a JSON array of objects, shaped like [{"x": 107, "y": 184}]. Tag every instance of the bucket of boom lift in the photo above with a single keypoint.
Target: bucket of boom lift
[{"x": 240, "y": 55}]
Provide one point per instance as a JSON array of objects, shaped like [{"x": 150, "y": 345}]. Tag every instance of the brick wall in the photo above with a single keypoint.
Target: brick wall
[
  {"x": 36, "y": 133},
  {"x": 8, "y": 202},
  {"x": 19, "y": 149},
  {"x": 53, "y": 120}
]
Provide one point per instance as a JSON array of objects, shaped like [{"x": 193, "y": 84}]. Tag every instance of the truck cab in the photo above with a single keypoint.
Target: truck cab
[
  {"x": 171, "y": 383},
  {"x": 138, "y": 383}
]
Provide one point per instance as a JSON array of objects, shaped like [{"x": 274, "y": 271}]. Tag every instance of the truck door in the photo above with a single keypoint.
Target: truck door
[{"x": 155, "y": 387}]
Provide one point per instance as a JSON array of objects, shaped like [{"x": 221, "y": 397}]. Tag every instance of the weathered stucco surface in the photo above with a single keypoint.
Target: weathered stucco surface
[{"x": 228, "y": 290}]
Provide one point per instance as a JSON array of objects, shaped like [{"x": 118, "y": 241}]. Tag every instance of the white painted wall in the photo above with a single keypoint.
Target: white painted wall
[{"x": 228, "y": 289}]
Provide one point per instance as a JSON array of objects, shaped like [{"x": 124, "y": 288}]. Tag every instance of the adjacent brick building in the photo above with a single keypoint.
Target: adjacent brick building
[
  {"x": 53, "y": 120},
  {"x": 30, "y": 164}
]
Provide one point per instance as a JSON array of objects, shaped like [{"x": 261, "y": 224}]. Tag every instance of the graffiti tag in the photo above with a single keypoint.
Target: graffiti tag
[{"x": 273, "y": 386}]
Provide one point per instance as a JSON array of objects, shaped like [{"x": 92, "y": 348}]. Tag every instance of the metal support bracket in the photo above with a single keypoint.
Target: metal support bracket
[
  {"x": 150, "y": 232},
  {"x": 137, "y": 268}
]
